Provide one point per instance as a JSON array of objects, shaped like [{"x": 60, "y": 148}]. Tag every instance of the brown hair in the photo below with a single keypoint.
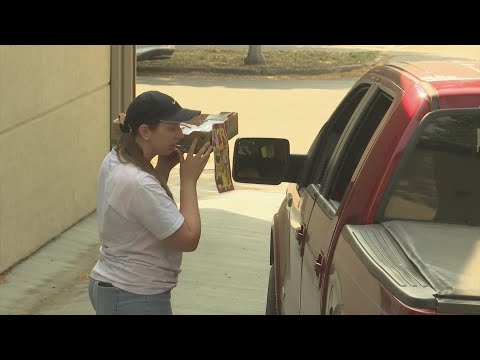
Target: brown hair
[{"x": 130, "y": 152}]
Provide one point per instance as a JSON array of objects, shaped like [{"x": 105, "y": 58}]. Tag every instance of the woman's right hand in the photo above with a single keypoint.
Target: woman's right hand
[{"x": 192, "y": 165}]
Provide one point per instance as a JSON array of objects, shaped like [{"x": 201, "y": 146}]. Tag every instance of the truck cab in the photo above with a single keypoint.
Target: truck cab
[{"x": 382, "y": 215}]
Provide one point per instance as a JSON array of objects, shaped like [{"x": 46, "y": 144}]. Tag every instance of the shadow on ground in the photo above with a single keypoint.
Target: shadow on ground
[{"x": 228, "y": 273}]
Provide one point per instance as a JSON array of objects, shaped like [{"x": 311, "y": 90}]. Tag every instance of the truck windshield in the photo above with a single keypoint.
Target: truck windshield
[{"x": 438, "y": 177}]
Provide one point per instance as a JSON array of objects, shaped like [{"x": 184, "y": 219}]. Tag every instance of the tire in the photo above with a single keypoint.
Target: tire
[{"x": 271, "y": 308}]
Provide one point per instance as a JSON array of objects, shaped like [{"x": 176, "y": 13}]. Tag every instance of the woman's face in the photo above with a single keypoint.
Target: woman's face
[{"x": 165, "y": 137}]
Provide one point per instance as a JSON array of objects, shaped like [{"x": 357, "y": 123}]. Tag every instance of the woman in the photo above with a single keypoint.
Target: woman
[{"x": 143, "y": 233}]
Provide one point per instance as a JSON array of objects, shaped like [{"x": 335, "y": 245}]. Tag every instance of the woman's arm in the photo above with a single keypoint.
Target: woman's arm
[{"x": 186, "y": 238}]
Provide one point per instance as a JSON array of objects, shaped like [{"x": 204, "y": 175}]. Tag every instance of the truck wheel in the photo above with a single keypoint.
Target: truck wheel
[{"x": 271, "y": 308}]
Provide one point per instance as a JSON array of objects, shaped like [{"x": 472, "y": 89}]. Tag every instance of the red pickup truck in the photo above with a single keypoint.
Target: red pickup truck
[{"x": 382, "y": 215}]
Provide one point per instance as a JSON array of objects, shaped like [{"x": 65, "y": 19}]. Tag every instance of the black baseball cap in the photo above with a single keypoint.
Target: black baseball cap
[{"x": 151, "y": 107}]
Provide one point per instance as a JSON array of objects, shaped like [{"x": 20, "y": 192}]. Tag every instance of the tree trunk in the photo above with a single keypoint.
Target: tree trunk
[{"x": 255, "y": 56}]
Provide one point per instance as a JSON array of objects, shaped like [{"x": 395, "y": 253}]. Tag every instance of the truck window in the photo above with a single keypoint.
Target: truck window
[
  {"x": 358, "y": 141},
  {"x": 330, "y": 135},
  {"x": 438, "y": 177}
]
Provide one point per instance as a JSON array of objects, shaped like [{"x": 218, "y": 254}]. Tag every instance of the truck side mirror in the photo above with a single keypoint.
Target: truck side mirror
[{"x": 260, "y": 160}]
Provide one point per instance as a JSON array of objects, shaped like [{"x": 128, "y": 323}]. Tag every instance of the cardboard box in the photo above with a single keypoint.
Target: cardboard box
[{"x": 200, "y": 128}]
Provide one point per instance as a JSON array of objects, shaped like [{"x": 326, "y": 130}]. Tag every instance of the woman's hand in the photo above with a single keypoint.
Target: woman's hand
[
  {"x": 193, "y": 164},
  {"x": 167, "y": 162}
]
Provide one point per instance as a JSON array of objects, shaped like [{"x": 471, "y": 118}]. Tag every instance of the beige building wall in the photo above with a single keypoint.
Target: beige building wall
[{"x": 54, "y": 133}]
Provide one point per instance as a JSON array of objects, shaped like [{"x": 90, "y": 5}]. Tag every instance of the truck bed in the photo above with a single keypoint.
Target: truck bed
[{"x": 424, "y": 264}]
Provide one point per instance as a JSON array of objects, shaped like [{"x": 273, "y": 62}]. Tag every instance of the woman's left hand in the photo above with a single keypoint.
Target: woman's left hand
[{"x": 166, "y": 163}]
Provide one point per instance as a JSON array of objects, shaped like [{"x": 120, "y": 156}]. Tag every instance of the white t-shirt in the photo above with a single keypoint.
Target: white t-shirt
[{"x": 134, "y": 215}]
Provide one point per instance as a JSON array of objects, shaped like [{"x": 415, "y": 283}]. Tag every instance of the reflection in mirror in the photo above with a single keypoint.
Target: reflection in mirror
[{"x": 260, "y": 160}]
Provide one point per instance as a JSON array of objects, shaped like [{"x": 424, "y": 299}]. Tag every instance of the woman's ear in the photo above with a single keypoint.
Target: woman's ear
[{"x": 144, "y": 132}]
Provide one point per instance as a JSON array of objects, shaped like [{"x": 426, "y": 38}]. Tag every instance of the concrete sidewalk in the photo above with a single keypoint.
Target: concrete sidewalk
[{"x": 227, "y": 274}]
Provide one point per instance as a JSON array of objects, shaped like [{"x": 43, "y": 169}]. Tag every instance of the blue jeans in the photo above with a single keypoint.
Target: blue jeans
[{"x": 110, "y": 300}]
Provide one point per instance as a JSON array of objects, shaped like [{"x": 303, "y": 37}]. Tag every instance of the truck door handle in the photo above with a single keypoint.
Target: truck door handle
[
  {"x": 320, "y": 265},
  {"x": 300, "y": 235}
]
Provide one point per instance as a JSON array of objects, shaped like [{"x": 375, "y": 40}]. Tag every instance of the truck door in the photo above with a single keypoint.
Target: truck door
[
  {"x": 299, "y": 209},
  {"x": 332, "y": 189},
  {"x": 301, "y": 201}
]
